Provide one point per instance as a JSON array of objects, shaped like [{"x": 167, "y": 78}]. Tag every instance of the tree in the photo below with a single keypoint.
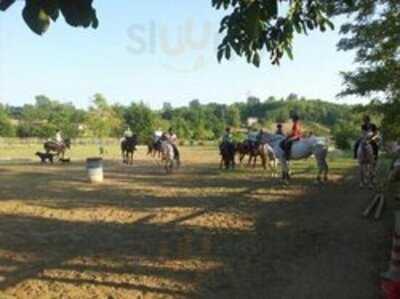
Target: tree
[
  {"x": 102, "y": 120},
  {"x": 141, "y": 120},
  {"x": 249, "y": 28},
  {"x": 46, "y": 117},
  {"x": 38, "y": 14},
  {"x": 167, "y": 111},
  {"x": 375, "y": 36},
  {"x": 6, "y": 127},
  {"x": 233, "y": 116}
]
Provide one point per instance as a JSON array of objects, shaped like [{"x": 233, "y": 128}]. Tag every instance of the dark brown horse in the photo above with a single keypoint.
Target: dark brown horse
[
  {"x": 227, "y": 151},
  {"x": 244, "y": 149},
  {"x": 154, "y": 149},
  {"x": 128, "y": 148},
  {"x": 57, "y": 148},
  {"x": 264, "y": 151}
]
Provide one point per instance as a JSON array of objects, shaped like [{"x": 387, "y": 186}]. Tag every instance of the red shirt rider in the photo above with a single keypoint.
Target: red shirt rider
[{"x": 296, "y": 129}]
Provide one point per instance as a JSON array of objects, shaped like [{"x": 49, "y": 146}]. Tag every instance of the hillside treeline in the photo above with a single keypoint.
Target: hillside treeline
[{"x": 194, "y": 122}]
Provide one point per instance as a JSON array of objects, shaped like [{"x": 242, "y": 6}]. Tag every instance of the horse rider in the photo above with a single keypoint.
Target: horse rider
[
  {"x": 260, "y": 138},
  {"x": 127, "y": 134},
  {"x": 279, "y": 130},
  {"x": 59, "y": 138},
  {"x": 227, "y": 140},
  {"x": 295, "y": 135},
  {"x": 157, "y": 135},
  {"x": 227, "y": 137},
  {"x": 369, "y": 128},
  {"x": 252, "y": 139},
  {"x": 157, "y": 138},
  {"x": 173, "y": 140}
]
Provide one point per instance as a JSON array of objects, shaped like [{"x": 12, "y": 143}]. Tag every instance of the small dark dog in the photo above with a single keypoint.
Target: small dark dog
[
  {"x": 46, "y": 157},
  {"x": 65, "y": 160}
]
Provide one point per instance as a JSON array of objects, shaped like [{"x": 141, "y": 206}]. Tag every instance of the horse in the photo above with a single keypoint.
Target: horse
[
  {"x": 268, "y": 158},
  {"x": 58, "y": 148},
  {"x": 154, "y": 149},
  {"x": 301, "y": 149},
  {"x": 367, "y": 162},
  {"x": 167, "y": 156},
  {"x": 128, "y": 148},
  {"x": 244, "y": 149},
  {"x": 264, "y": 151},
  {"x": 227, "y": 151}
]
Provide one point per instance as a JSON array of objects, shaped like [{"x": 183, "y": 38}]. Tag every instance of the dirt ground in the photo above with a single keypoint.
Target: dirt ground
[{"x": 198, "y": 233}]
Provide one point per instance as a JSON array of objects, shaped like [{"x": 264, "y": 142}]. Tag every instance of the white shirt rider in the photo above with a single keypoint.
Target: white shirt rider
[
  {"x": 172, "y": 138},
  {"x": 157, "y": 135},
  {"x": 58, "y": 137}
]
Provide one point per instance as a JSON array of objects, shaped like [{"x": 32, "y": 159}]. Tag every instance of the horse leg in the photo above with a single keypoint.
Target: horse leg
[
  {"x": 285, "y": 171},
  {"x": 320, "y": 154},
  {"x": 241, "y": 157},
  {"x": 249, "y": 161},
  {"x": 254, "y": 161},
  {"x": 362, "y": 179},
  {"x": 264, "y": 161}
]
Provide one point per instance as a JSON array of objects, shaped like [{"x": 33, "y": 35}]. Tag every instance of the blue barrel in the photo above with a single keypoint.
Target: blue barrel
[{"x": 94, "y": 168}]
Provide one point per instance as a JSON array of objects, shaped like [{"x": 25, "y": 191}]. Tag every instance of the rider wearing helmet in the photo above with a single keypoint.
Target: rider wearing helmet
[
  {"x": 227, "y": 137},
  {"x": 260, "y": 138},
  {"x": 127, "y": 133},
  {"x": 279, "y": 130},
  {"x": 369, "y": 128},
  {"x": 252, "y": 139},
  {"x": 294, "y": 136},
  {"x": 58, "y": 138},
  {"x": 227, "y": 141},
  {"x": 173, "y": 140}
]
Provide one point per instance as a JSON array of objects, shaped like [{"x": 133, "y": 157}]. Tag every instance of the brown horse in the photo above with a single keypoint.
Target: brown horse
[
  {"x": 58, "y": 148},
  {"x": 264, "y": 151},
  {"x": 245, "y": 149}
]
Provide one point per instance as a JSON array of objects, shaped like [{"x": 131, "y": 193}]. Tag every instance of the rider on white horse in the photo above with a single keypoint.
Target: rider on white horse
[
  {"x": 303, "y": 148},
  {"x": 371, "y": 130},
  {"x": 173, "y": 140},
  {"x": 294, "y": 136}
]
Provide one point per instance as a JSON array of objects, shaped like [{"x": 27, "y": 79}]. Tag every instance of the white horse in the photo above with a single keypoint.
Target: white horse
[
  {"x": 268, "y": 158},
  {"x": 366, "y": 161},
  {"x": 167, "y": 156},
  {"x": 301, "y": 149}
]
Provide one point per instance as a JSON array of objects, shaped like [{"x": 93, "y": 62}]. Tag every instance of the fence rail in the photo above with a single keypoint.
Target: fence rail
[
  {"x": 4, "y": 142},
  {"x": 77, "y": 141}
]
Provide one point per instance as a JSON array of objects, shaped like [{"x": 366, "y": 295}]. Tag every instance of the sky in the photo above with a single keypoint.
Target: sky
[{"x": 155, "y": 51}]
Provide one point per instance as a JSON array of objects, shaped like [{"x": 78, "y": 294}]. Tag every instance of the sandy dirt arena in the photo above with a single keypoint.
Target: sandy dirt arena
[{"x": 197, "y": 233}]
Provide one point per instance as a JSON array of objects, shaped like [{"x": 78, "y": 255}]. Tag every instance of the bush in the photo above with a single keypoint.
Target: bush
[{"x": 345, "y": 135}]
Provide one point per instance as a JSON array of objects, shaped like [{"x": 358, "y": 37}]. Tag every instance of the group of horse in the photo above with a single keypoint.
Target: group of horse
[
  {"x": 161, "y": 149},
  {"x": 270, "y": 151}
]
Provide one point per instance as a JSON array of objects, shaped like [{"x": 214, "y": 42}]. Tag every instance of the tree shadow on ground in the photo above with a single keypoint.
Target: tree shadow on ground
[{"x": 304, "y": 241}]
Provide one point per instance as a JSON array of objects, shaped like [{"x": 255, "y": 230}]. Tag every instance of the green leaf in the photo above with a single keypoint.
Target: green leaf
[
  {"x": 256, "y": 59},
  {"x": 228, "y": 52},
  {"x": 35, "y": 17},
  {"x": 5, "y": 4},
  {"x": 220, "y": 54}
]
